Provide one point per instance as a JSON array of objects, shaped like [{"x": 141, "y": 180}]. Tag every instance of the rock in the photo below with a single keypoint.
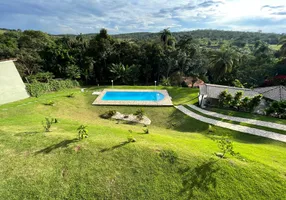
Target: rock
[{"x": 131, "y": 118}]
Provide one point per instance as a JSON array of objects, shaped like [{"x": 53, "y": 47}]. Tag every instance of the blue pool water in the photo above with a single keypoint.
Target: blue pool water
[{"x": 132, "y": 96}]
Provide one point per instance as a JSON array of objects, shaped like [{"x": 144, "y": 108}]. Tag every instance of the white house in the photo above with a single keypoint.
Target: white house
[
  {"x": 12, "y": 87},
  {"x": 211, "y": 92}
]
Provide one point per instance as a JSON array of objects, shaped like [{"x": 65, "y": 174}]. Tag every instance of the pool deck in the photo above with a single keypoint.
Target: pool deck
[{"x": 167, "y": 101}]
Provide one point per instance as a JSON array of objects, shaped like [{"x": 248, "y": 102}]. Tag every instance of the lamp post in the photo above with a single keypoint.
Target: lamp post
[
  {"x": 112, "y": 83},
  {"x": 155, "y": 84}
]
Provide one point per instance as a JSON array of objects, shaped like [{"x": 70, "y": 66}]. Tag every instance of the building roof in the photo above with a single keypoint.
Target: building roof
[
  {"x": 213, "y": 91},
  {"x": 276, "y": 93}
]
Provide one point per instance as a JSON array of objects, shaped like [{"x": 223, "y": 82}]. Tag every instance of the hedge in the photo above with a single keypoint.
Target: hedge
[{"x": 36, "y": 89}]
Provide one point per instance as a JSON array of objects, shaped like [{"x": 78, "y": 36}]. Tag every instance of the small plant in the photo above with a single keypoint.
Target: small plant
[
  {"x": 71, "y": 95},
  {"x": 130, "y": 138},
  {"x": 49, "y": 103},
  {"x": 139, "y": 114},
  {"x": 47, "y": 124},
  {"x": 108, "y": 114},
  {"x": 146, "y": 131},
  {"x": 82, "y": 132},
  {"x": 211, "y": 129},
  {"x": 169, "y": 155},
  {"x": 225, "y": 145}
]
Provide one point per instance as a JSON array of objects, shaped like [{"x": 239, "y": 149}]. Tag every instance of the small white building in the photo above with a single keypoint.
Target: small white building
[
  {"x": 12, "y": 87},
  {"x": 211, "y": 92}
]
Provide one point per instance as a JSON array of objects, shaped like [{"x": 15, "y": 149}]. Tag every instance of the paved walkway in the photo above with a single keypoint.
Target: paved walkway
[
  {"x": 241, "y": 119},
  {"x": 235, "y": 127}
]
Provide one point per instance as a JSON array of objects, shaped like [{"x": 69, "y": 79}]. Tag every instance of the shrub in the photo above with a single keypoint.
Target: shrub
[
  {"x": 48, "y": 123},
  {"x": 130, "y": 137},
  {"x": 37, "y": 88},
  {"x": 166, "y": 81},
  {"x": 244, "y": 103},
  {"x": 277, "y": 109},
  {"x": 169, "y": 155},
  {"x": 255, "y": 101},
  {"x": 50, "y": 103},
  {"x": 82, "y": 132},
  {"x": 71, "y": 95},
  {"x": 236, "y": 101},
  {"x": 139, "y": 114},
  {"x": 43, "y": 77},
  {"x": 222, "y": 98},
  {"x": 247, "y": 104},
  {"x": 108, "y": 114},
  {"x": 146, "y": 131}
]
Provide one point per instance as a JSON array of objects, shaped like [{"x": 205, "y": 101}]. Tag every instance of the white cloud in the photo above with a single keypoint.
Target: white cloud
[{"x": 74, "y": 16}]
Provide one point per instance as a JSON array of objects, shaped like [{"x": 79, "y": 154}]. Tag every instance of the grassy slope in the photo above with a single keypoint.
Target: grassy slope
[
  {"x": 239, "y": 123},
  {"x": 248, "y": 115},
  {"x": 38, "y": 165}
]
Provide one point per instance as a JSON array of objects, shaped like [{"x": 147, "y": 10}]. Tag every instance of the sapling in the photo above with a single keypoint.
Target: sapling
[{"x": 82, "y": 132}]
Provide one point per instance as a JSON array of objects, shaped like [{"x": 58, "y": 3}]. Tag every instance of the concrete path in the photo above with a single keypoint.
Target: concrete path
[
  {"x": 241, "y": 119},
  {"x": 235, "y": 127}
]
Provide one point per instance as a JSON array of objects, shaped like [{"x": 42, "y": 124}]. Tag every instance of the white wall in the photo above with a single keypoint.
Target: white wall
[{"x": 12, "y": 87}]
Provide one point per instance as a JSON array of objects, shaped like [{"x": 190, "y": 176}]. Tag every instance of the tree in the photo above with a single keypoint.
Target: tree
[
  {"x": 282, "y": 42},
  {"x": 167, "y": 38},
  {"x": 124, "y": 73},
  {"x": 223, "y": 62}
]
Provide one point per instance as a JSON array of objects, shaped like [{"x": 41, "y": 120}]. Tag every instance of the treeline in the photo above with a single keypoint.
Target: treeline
[{"x": 166, "y": 57}]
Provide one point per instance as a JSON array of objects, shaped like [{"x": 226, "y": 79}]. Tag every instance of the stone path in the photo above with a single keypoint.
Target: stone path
[
  {"x": 235, "y": 127},
  {"x": 240, "y": 119}
]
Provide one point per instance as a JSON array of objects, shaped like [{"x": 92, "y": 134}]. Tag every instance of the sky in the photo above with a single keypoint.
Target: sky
[{"x": 126, "y": 16}]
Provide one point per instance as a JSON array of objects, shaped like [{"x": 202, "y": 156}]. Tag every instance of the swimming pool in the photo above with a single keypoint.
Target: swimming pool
[{"x": 132, "y": 96}]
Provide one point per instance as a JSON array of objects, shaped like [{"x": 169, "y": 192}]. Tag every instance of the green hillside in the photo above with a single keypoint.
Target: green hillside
[{"x": 174, "y": 161}]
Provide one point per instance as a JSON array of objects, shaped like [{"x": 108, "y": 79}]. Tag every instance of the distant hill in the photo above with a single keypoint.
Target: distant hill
[{"x": 215, "y": 36}]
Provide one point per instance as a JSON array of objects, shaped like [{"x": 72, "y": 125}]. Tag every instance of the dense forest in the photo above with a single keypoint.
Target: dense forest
[{"x": 243, "y": 59}]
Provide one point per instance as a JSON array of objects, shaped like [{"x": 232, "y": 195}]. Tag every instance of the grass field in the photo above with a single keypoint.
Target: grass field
[
  {"x": 272, "y": 129},
  {"x": 248, "y": 115},
  {"x": 275, "y": 47},
  {"x": 55, "y": 165}
]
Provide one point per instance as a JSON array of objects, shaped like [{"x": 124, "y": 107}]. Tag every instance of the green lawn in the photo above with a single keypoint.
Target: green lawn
[
  {"x": 54, "y": 165},
  {"x": 275, "y": 47},
  {"x": 273, "y": 129},
  {"x": 248, "y": 115}
]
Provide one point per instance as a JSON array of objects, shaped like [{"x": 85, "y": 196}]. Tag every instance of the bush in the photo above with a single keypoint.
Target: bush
[
  {"x": 82, "y": 132},
  {"x": 139, "y": 114},
  {"x": 166, "y": 81},
  {"x": 235, "y": 103},
  {"x": 37, "y": 88},
  {"x": 43, "y": 77},
  {"x": 226, "y": 100},
  {"x": 130, "y": 138},
  {"x": 255, "y": 101},
  {"x": 277, "y": 109},
  {"x": 108, "y": 114},
  {"x": 49, "y": 103},
  {"x": 169, "y": 155},
  {"x": 71, "y": 95},
  {"x": 146, "y": 131}
]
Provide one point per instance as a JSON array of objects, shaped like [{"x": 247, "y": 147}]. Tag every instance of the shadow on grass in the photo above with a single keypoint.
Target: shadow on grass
[
  {"x": 62, "y": 144},
  {"x": 201, "y": 178},
  {"x": 27, "y": 133},
  {"x": 114, "y": 147},
  {"x": 181, "y": 122},
  {"x": 242, "y": 137}
]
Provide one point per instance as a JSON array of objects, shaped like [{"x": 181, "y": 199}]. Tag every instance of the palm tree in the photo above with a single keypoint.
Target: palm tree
[
  {"x": 166, "y": 36},
  {"x": 223, "y": 62},
  {"x": 283, "y": 46},
  {"x": 120, "y": 72}
]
